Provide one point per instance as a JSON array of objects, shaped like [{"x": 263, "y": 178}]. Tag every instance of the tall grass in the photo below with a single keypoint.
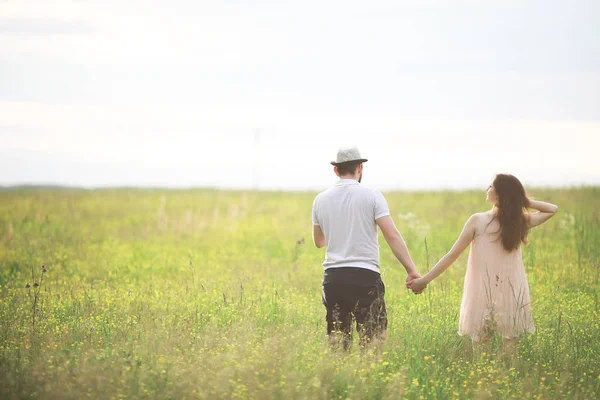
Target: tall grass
[{"x": 209, "y": 294}]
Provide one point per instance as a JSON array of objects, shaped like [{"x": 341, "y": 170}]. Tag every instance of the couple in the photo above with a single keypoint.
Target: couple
[{"x": 496, "y": 294}]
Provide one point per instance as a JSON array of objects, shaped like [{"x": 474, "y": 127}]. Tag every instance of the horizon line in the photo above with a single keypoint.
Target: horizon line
[{"x": 59, "y": 187}]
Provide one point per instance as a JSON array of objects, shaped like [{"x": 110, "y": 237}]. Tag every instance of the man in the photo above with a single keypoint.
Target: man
[{"x": 345, "y": 219}]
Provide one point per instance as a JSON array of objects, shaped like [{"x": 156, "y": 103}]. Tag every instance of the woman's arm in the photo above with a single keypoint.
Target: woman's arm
[
  {"x": 463, "y": 241},
  {"x": 546, "y": 211}
]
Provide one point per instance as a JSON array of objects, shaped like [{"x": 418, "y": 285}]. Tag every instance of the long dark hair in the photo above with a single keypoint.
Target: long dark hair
[{"x": 511, "y": 210}]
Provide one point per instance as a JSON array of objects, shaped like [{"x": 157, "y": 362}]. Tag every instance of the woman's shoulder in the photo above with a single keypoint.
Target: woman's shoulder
[
  {"x": 480, "y": 221},
  {"x": 479, "y": 217}
]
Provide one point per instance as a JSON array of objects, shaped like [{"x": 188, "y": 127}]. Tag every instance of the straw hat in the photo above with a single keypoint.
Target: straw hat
[{"x": 347, "y": 155}]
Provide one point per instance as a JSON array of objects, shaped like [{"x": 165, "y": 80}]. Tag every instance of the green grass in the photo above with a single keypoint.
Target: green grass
[{"x": 123, "y": 313}]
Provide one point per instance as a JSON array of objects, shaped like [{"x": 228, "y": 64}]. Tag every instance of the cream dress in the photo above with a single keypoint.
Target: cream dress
[{"x": 496, "y": 292}]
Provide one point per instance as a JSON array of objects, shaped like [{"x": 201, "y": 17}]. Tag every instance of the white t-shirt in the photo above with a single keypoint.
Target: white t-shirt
[{"x": 346, "y": 214}]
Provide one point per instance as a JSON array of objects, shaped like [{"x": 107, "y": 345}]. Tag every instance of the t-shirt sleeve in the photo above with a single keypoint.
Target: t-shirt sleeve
[
  {"x": 380, "y": 207},
  {"x": 315, "y": 219}
]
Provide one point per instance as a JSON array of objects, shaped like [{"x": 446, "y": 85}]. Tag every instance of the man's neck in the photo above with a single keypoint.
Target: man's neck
[{"x": 353, "y": 177}]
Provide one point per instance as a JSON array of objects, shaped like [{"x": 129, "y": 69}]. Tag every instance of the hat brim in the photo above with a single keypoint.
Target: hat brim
[{"x": 361, "y": 160}]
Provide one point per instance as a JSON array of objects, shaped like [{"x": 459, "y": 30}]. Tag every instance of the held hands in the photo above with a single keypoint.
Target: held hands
[
  {"x": 418, "y": 286},
  {"x": 411, "y": 279}
]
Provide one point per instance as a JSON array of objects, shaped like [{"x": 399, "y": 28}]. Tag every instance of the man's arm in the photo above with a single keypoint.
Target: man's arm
[
  {"x": 396, "y": 242},
  {"x": 318, "y": 237}
]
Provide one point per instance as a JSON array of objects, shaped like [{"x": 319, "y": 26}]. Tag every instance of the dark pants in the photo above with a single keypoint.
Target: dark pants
[{"x": 354, "y": 294}]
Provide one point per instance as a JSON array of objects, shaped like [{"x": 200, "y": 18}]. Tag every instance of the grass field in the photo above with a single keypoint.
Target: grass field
[{"x": 209, "y": 294}]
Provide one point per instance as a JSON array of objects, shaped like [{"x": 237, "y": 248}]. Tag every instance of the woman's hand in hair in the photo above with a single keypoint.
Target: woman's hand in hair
[{"x": 546, "y": 211}]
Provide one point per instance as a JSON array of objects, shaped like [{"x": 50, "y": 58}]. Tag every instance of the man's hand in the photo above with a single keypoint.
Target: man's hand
[
  {"x": 418, "y": 286},
  {"x": 411, "y": 277}
]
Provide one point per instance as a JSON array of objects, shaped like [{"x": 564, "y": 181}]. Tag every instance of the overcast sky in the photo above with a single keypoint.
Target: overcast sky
[{"x": 241, "y": 94}]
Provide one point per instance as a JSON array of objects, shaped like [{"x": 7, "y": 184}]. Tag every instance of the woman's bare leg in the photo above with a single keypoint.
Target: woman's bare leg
[
  {"x": 482, "y": 348},
  {"x": 510, "y": 350}
]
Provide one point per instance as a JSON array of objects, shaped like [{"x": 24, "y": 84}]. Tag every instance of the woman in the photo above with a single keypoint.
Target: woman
[{"x": 496, "y": 292}]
